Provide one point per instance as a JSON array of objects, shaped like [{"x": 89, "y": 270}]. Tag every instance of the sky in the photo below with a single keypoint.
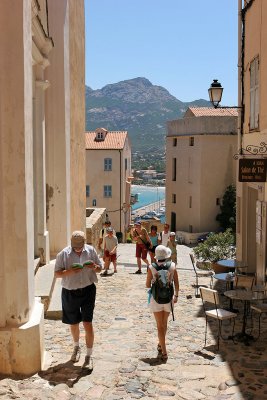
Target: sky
[{"x": 181, "y": 45}]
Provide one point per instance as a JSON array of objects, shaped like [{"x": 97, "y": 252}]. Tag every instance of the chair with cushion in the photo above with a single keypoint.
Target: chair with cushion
[
  {"x": 201, "y": 273},
  {"x": 212, "y": 309}
]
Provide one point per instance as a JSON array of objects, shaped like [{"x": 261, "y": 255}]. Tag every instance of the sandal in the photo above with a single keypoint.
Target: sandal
[
  {"x": 164, "y": 357},
  {"x": 159, "y": 349}
]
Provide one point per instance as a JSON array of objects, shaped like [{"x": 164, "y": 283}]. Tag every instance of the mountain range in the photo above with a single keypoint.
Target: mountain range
[{"x": 136, "y": 106}]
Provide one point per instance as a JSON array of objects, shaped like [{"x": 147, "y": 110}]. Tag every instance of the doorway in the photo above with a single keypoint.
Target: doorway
[
  {"x": 251, "y": 230},
  {"x": 173, "y": 222}
]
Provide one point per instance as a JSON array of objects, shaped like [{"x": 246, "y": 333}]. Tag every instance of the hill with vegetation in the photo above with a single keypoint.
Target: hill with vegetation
[{"x": 137, "y": 106}]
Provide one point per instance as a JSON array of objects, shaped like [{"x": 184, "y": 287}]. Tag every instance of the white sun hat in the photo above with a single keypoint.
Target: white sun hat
[{"x": 162, "y": 252}]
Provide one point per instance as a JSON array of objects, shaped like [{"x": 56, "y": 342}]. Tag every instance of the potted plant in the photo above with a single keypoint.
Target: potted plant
[{"x": 217, "y": 246}]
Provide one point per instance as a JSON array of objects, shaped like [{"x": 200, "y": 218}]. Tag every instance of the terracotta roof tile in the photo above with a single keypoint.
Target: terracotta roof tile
[
  {"x": 213, "y": 112},
  {"x": 113, "y": 140}
]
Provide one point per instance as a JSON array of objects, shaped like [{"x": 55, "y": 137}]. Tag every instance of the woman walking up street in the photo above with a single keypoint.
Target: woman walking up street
[
  {"x": 153, "y": 235},
  {"x": 164, "y": 272}
]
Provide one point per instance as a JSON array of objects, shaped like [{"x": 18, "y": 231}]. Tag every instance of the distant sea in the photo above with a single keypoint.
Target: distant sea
[{"x": 147, "y": 195}]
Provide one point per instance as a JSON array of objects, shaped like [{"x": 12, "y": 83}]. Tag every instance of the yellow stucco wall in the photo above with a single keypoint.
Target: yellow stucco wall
[
  {"x": 203, "y": 172},
  {"x": 96, "y": 178}
]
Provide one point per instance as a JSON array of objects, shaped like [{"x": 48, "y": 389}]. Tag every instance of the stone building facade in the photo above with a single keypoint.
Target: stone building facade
[
  {"x": 252, "y": 196},
  {"x": 199, "y": 167},
  {"x": 108, "y": 175},
  {"x": 42, "y": 160}
]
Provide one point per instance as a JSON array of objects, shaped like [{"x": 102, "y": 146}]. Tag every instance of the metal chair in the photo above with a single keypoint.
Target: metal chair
[
  {"x": 210, "y": 296},
  {"x": 201, "y": 273},
  {"x": 260, "y": 308},
  {"x": 244, "y": 281}
]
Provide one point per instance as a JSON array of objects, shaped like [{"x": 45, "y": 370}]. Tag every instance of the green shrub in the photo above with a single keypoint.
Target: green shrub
[
  {"x": 227, "y": 216},
  {"x": 216, "y": 247}
]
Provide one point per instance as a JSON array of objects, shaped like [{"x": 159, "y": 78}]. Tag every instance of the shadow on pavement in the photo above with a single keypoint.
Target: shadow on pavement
[
  {"x": 67, "y": 373},
  {"x": 153, "y": 361}
]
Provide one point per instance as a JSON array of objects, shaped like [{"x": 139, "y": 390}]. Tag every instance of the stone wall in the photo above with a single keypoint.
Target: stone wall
[{"x": 95, "y": 217}]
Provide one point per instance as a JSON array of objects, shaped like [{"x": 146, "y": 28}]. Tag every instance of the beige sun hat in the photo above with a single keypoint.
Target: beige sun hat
[{"x": 162, "y": 252}]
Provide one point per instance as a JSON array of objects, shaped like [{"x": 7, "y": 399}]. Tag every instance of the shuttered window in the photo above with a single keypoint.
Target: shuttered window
[
  {"x": 107, "y": 191},
  {"x": 108, "y": 164},
  {"x": 174, "y": 169}
]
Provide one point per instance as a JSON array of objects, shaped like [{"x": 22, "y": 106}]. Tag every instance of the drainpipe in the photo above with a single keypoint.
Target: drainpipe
[
  {"x": 240, "y": 75},
  {"x": 120, "y": 190}
]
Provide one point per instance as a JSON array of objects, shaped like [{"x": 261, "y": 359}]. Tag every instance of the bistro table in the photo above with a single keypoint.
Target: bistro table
[
  {"x": 229, "y": 279},
  {"x": 232, "y": 264},
  {"x": 246, "y": 296}
]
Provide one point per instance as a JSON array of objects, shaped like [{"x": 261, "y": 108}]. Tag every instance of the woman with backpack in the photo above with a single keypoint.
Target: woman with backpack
[{"x": 161, "y": 277}]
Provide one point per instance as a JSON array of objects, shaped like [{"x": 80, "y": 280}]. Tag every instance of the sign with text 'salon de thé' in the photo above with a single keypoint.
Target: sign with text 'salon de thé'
[{"x": 252, "y": 170}]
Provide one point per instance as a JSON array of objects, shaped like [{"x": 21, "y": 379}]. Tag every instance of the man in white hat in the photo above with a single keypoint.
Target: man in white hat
[
  {"x": 171, "y": 244},
  {"x": 77, "y": 265}
]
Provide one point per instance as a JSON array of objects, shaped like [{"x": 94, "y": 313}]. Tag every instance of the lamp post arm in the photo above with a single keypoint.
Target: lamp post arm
[{"x": 236, "y": 107}]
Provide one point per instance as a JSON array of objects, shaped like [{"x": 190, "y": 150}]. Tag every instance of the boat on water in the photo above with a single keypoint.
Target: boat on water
[
  {"x": 153, "y": 214},
  {"x": 161, "y": 211},
  {"x": 134, "y": 198}
]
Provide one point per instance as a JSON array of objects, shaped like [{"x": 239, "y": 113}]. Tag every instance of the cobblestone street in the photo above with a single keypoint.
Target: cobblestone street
[{"x": 125, "y": 364}]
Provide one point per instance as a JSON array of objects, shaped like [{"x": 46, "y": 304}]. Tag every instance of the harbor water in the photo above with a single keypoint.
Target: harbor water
[{"x": 148, "y": 195}]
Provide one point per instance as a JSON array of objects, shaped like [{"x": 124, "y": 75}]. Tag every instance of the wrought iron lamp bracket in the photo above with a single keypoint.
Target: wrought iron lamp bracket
[{"x": 252, "y": 150}]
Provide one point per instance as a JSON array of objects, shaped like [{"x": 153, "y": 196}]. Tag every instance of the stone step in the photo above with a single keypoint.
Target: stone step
[
  {"x": 54, "y": 310},
  {"x": 44, "y": 282}
]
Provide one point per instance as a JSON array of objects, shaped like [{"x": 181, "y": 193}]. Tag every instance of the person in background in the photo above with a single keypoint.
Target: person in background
[
  {"x": 171, "y": 244},
  {"x": 128, "y": 234},
  {"x": 153, "y": 235},
  {"x": 140, "y": 236},
  {"x": 110, "y": 250},
  {"x": 101, "y": 240},
  {"x": 78, "y": 291},
  {"x": 162, "y": 311},
  {"x": 164, "y": 235}
]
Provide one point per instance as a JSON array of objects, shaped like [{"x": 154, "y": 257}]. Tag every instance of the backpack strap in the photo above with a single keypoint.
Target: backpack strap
[{"x": 163, "y": 266}]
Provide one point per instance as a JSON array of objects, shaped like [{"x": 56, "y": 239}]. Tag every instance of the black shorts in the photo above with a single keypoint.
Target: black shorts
[
  {"x": 78, "y": 305},
  {"x": 153, "y": 249}
]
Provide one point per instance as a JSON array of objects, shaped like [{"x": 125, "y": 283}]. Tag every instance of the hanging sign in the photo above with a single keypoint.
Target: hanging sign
[{"x": 252, "y": 170}]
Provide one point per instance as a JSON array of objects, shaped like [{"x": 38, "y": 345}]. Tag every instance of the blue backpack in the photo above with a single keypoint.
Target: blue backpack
[{"x": 162, "y": 290}]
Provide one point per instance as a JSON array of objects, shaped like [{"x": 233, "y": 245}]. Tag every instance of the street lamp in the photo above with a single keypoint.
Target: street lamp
[{"x": 215, "y": 93}]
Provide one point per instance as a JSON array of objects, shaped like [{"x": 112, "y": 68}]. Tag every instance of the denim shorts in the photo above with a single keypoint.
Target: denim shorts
[{"x": 78, "y": 305}]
